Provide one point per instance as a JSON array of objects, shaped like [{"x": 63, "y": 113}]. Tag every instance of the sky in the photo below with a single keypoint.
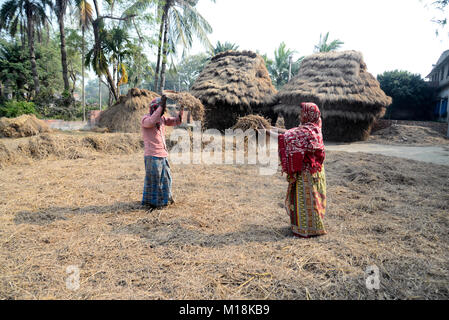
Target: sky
[{"x": 391, "y": 34}]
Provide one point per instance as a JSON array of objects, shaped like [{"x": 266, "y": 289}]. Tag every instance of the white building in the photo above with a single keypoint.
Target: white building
[{"x": 439, "y": 79}]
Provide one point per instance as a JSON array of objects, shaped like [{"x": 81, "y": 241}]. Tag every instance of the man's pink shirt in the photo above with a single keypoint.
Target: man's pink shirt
[{"x": 154, "y": 138}]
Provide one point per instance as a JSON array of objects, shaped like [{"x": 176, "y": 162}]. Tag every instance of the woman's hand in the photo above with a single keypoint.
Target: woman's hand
[{"x": 181, "y": 110}]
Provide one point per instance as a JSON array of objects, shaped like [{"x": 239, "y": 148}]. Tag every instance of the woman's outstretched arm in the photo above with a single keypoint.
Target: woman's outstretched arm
[{"x": 274, "y": 131}]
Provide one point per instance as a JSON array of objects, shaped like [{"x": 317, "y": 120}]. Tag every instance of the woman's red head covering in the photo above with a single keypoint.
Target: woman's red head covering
[{"x": 302, "y": 148}]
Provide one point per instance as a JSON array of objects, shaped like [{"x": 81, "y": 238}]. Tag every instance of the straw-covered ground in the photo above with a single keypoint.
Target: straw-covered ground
[
  {"x": 226, "y": 237},
  {"x": 409, "y": 135}
]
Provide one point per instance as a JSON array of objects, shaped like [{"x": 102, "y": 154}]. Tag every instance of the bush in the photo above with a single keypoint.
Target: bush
[
  {"x": 412, "y": 96},
  {"x": 50, "y": 105},
  {"x": 13, "y": 108}
]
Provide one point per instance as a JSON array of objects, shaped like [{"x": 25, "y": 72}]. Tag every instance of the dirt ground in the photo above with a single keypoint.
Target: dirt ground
[{"x": 226, "y": 237}]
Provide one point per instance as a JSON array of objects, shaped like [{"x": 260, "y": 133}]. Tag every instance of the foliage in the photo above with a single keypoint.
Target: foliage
[
  {"x": 222, "y": 47},
  {"x": 279, "y": 67},
  {"x": 412, "y": 96},
  {"x": 180, "y": 21},
  {"x": 15, "y": 71},
  {"x": 13, "y": 108},
  {"x": 51, "y": 105},
  {"x": 324, "y": 46},
  {"x": 190, "y": 68},
  {"x": 48, "y": 58}
]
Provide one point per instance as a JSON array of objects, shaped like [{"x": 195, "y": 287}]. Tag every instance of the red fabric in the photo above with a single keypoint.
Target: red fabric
[{"x": 302, "y": 148}]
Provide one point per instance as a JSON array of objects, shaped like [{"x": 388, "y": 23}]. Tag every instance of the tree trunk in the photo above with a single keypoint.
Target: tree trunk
[
  {"x": 164, "y": 56},
  {"x": 22, "y": 34},
  {"x": 65, "y": 76},
  {"x": 97, "y": 49},
  {"x": 114, "y": 72},
  {"x": 99, "y": 90},
  {"x": 30, "y": 28},
  {"x": 159, "y": 48},
  {"x": 83, "y": 98}
]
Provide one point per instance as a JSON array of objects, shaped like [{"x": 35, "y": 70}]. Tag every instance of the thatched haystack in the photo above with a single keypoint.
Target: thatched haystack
[
  {"x": 252, "y": 121},
  {"x": 232, "y": 85},
  {"x": 192, "y": 104},
  {"x": 125, "y": 115},
  {"x": 350, "y": 98},
  {"x": 24, "y": 126}
]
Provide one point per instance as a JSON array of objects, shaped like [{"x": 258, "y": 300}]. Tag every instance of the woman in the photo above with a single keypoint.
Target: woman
[
  {"x": 302, "y": 155},
  {"x": 157, "y": 187}
]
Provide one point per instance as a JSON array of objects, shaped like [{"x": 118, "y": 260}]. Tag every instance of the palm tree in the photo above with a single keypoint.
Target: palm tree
[
  {"x": 279, "y": 67},
  {"x": 179, "y": 22},
  {"x": 14, "y": 11},
  {"x": 117, "y": 44},
  {"x": 96, "y": 57},
  {"x": 85, "y": 14},
  {"x": 323, "y": 46},
  {"x": 222, "y": 47}
]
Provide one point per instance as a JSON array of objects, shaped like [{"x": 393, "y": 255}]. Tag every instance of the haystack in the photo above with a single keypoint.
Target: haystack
[
  {"x": 192, "y": 104},
  {"x": 125, "y": 115},
  {"x": 233, "y": 84},
  {"x": 252, "y": 121},
  {"x": 24, "y": 126},
  {"x": 350, "y": 98}
]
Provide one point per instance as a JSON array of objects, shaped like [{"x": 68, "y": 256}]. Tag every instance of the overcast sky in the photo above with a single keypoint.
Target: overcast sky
[{"x": 391, "y": 34}]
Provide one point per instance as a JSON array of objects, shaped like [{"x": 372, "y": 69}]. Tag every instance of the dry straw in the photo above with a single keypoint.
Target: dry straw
[
  {"x": 23, "y": 126},
  {"x": 125, "y": 115},
  {"x": 350, "y": 98},
  {"x": 233, "y": 84},
  {"x": 68, "y": 146},
  {"x": 185, "y": 99},
  {"x": 252, "y": 121}
]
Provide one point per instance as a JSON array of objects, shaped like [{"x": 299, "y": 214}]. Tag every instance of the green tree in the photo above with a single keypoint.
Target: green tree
[
  {"x": 324, "y": 46},
  {"x": 85, "y": 18},
  {"x": 280, "y": 66},
  {"x": 15, "y": 72},
  {"x": 412, "y": 96},
  {"x": 12, "y": 13},
  {"x": 190, "y": 68},
  {"x": 179, "y": 22},
  {"x": 74, "y": 59},
  {"x": 117, "y": 45},
  {"x": 140, "y": 69},
  {"x": 223, "y": 47},
  {"x": 96, "y": 57}
]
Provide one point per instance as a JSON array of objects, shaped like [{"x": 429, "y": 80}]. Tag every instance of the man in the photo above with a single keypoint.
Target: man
[{"x": 157, "y": 188}]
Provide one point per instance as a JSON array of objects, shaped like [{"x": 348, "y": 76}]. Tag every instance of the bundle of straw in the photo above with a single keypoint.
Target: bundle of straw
[
  {"x": 252, "y": 121},
  {"x": 23, "y": 126},
  {"x": 185, "y": 99}
]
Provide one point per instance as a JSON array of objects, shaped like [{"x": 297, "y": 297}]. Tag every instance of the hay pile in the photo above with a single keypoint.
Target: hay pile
[
  {"x": 125, "y": 115},
  {"x": 407, "y": 134},
  {"x": 252, "y": 121},
  {"x": 23, "y": 126},
  {"x": 232, "y": 85},
  {"x": 350, "y": 98},
  {"x": 192, "y": 104},
  {"x": 63, "y": 146}
]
